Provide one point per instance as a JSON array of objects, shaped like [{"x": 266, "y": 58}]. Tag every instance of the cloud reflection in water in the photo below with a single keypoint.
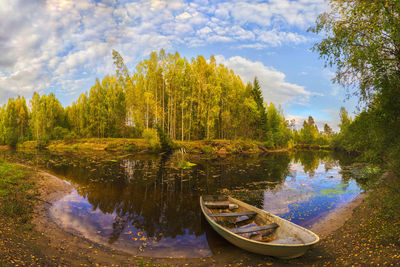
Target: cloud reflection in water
[{"x": 74, "y": 213}]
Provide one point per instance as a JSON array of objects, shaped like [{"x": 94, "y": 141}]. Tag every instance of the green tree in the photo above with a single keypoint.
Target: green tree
[
  {"x": 121, "y": 69},
  {"x": 328, "y": 130},
  {"x": 345, "y": 120},
  {"x": 2, "y": 129},
  {"x": 262, "y": 114},
  {"x": 37, "y": 120},
  {"x": 362, "y": 41},
  {"x": 47, "y": 114},
  {"x": 22, "y": 118},
  {"x": 11, "y": 123},
  {"x": 309, "y": 134},
  {"x": 278, "y": 133}
]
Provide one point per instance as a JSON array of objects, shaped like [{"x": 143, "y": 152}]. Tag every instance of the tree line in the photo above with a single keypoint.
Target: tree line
[{"x": 187, "y": 100}]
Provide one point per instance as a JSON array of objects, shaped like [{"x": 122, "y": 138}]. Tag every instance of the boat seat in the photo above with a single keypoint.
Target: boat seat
[
  {"x": 220, "y": 205},
  {"x": 254, "y": 228},
  {"x": 233, "y": 214},
  {"x": 212, "y": 203}
]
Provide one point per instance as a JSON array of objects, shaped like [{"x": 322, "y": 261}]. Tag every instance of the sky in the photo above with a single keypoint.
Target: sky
[{"x": 61, "y": 46}]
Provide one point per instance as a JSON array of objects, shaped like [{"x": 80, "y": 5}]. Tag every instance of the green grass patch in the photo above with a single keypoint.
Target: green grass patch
[
  {"x": 100, "y": 144},
  {"x": 16, "y": 193},
  {"x": 130, "y": 147},
  {"x": 384, "y": 200},
  {"x": 208, "y": 150}
]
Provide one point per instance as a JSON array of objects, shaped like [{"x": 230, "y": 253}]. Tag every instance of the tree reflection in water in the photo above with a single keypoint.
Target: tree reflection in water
[{"x": 161, "y": 200}]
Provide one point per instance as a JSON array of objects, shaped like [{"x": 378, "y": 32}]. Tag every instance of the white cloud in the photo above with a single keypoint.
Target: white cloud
[
  {"x": 257, "y": 46},
  {"x": 299, "y": 13},
  {"x": 320, "y": 123},
  {"x": 184, "y": 16},
  {"x": 273, "y": 85},
  {"x": 277, "y": 38},
  {"x": 61, "y": 40},
  {"x": 204, "y": 31}
]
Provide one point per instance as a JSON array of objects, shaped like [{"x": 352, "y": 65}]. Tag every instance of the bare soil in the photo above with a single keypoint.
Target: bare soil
[{"x": 337, "y": 218}]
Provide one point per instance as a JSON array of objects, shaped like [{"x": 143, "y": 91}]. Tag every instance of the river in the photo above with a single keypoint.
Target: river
[{"x": 148, "y": 205}]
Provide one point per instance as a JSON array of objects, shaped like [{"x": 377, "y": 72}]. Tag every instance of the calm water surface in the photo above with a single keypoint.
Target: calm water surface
[{"x": 146, "y": 205}]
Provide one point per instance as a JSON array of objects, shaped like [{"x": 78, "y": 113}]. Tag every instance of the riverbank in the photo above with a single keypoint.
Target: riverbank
[
  {"x": 371, "y": 236},
  {"x": 337, "y": 218},
  {"x": 126, "y": 145},
  {"x": 38, "y": 240}
]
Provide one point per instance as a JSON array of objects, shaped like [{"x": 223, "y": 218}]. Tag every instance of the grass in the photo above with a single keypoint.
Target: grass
[
  {"x": 209, "y": 147},
  {"x": 385, "y": 201},
  {"x": 149, "y": 144},
  {"x": 99, "y": 144},
  {"x": 17, "y": 193}
]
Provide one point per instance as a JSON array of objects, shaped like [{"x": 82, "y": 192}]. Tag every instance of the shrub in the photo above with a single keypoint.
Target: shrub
[
  {"x": 152, "y": 138},
  {"x": 70, "y": 138},
  {"x": 131, "y": 147},
  {"x": 43, "y": 142},
  {"x": 166, "y": 142},
  {"x": 208, "y": 150},
  {"x": 59, "y": 133}
]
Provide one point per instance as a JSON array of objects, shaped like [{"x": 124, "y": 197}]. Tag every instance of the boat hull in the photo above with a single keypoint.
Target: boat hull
[
  {"x": 283, "y": 251},
  {"x": 263, "y": 249}
]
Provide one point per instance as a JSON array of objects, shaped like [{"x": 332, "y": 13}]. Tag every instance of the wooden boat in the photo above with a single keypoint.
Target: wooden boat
[{"x": 256, "y": 230}]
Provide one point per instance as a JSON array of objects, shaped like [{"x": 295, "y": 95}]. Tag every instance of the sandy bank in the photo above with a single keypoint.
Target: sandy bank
[{"x": 337, "y": 218}]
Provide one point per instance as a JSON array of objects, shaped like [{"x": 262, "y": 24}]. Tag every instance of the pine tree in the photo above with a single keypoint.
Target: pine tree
[{"x": 258, "y": 98}]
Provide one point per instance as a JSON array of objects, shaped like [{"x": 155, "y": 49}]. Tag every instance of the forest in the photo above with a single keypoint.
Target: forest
[{"x": 196, "y": 100}]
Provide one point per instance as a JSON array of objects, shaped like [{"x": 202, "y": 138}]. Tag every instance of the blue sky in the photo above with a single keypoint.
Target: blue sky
[{"x": 61, "y": 46}]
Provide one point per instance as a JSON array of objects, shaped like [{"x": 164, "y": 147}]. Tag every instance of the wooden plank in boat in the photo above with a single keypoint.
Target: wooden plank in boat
[
  {"x": 220, "y": 205},
  {"x": 237, "y": 223},
  {"x": 213, "y": 203},
  {"x": 233, "y": 214},
  {"x": 254, "y": 229}
]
